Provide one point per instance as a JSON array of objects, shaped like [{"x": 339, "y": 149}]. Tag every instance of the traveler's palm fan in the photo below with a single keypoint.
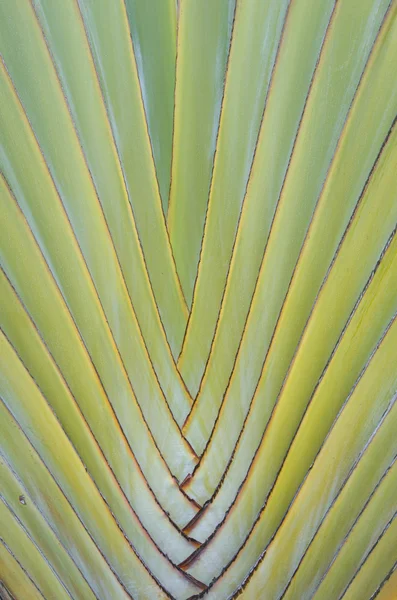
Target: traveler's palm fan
[{"x": 198, "y": 299}]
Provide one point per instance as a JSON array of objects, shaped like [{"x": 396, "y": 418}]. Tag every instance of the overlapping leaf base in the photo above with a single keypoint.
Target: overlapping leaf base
[{"x": 198, "y": 299}]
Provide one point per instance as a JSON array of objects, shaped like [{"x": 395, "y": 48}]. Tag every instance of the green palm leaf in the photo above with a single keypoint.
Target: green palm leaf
[{"x": 198, "y": 299}]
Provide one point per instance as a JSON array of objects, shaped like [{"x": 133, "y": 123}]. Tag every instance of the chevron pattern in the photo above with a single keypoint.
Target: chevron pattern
[{"x": 198, "y": 299}]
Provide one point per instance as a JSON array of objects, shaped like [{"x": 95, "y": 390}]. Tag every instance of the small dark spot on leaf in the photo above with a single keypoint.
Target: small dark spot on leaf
[{"x": 22, "y": 499}]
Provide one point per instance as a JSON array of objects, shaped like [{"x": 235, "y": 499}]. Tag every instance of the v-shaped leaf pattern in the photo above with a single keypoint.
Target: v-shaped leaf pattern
[{"x": 198, "y": 299}]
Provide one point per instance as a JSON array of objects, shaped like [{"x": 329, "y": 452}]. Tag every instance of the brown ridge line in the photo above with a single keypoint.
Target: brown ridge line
[
  {"x": 21, "y": 566},
  {"x": 129, "y": 204},
  {"x": 5, "y": 591},
  {"x": 189, "y": 559},
  {"x": 146, "y": 533},
  {"x": 181, "y": 487},
  {"x": 185, "y": 481},
  {"x": 237, "y": 4},
  {"x": 52, "y": 359},
  {"x": 263, "y": 255},
  {"x": 268, "y": 92},
  {"x": 195, "y": 542},
  {"x": 385, "y": 580},
  {"x": 72, "y": 508},
  {"x": 195, "y": 581},
  {"x": 43, "y": 556},
  {"x": 153, "y": 161},
  {"x": 88, "y": 271},
  {"x": 188, "y": 444},
  {"x": 113, "y": 247},
  {"x": 196, "y": 518},
  {"x": 193, "y": 501},
  {"x": 106, "y": 397},
  {"x": 302, "y": 247},
  {"x": 345, "y": 537},
  {"x": 185, "y": 422},
  {"x": 16, "y": 476},
  {"x": 221, "y": 524}
]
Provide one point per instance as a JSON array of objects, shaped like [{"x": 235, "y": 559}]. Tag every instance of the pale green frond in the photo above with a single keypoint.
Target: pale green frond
[
  {"x": 362, "y": 484},
  {"x": 274, "y": 349},
  {"x": 198, "y": 299}
]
